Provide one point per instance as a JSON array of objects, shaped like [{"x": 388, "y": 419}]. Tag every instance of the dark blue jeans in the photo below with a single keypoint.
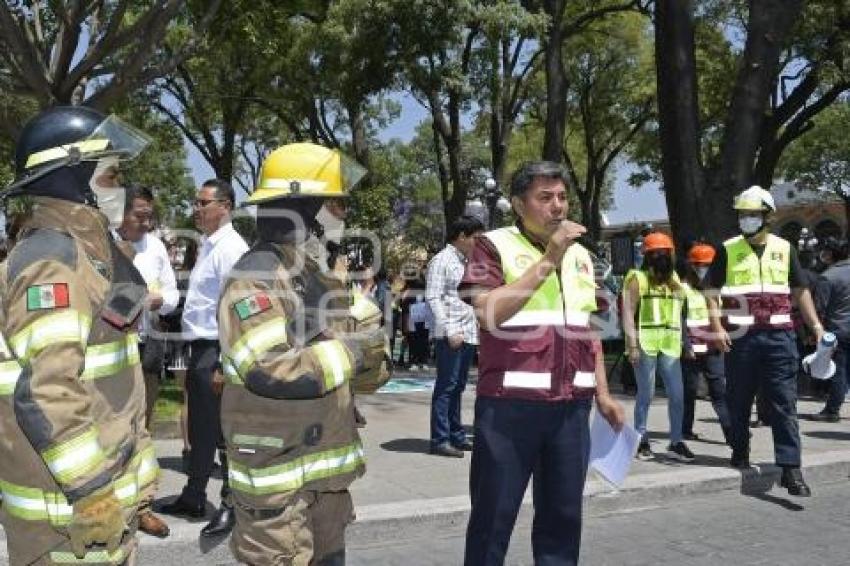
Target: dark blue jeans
[
  {"x": 765, "y": 361},
  {"x": 712, "y": 366},
  {"x": 513, "y": 440},
  {"x": 838, "y": 383},
  {"x": 452, "y": 372}
]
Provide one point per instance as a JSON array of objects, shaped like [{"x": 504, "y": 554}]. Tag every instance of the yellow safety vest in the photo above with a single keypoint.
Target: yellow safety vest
[
  {"x": 548, "y": 306},
  {"x": 696, "y": 318},
  {"x": 759, "y": 286},
  {"x": 659, "y": 316}
]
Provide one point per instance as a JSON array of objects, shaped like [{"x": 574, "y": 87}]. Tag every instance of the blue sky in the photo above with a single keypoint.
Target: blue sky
[{"x": 630, "y": 205}]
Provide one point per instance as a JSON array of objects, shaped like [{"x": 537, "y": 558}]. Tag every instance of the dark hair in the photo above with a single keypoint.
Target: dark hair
[
  {"x": 463, "y": 225},
  {"x": 524, "y": 176},
  {"x": 836, "y": 246},
  {"x": 136, "y": 191},
  {"x": 223, "y": 190}
]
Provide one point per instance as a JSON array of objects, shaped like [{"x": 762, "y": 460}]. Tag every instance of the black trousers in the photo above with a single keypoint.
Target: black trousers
[
  {"x": 514, "y": 440},
  {"x": 204, "y": 422}
]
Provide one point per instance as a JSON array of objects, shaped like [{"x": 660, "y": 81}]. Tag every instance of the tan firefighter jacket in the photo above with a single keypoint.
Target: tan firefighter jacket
[
  {"x": 72, "y": 398},
  {"x": 288, "y": 357}
]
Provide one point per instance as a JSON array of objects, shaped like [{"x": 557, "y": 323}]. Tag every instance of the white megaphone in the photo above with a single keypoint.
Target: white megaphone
[{"x": 820, "y": 365}]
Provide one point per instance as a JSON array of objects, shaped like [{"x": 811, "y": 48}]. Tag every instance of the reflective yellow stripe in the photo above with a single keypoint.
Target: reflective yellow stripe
[
  {"x": 9, "y": 373},
  {"x": 230, "y": 373},
  {"x": 295, "y": 474},
  {"x": 60, "y": 152},
  {"x": 108, "y": 359},
  {"x": 333, "y": 358},
  {"x": 68, "y": 326},
  {"x": 93, "y": 557},
  {"x": 257, "y": 342},
  {"x": 33, "y": 504},
  {"x": 70, "y": 460}
]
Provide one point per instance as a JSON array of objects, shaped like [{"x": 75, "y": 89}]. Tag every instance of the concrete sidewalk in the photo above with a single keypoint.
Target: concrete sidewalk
[{"x": 405, "y": 487}]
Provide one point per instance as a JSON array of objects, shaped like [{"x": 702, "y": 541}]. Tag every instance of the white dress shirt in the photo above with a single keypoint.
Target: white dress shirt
[
  {"x": 216, "y": 257},
  {"x": 451, "y": 314},
  {"x": 152, "y": 261}
]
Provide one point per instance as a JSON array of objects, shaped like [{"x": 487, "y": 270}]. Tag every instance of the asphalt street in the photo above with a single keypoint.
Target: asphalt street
[{"x": 722, "y": 528}]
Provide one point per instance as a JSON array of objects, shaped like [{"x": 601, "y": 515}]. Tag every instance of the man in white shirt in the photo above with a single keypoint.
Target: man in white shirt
[
  {"x": 456, "y": 335},
  {"x": 220, "y": 247},
  {"x": 151, "y": 260}
]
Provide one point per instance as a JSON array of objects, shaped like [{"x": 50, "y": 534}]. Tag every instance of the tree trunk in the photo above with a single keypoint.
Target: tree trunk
[
  {"x": 457, "y": 202},
  {"x": 691, "y": 212},
  {"x": 769, "y": 23},
  {"x": 556, "y": 83},
  {"x": 846, "y": 201}
]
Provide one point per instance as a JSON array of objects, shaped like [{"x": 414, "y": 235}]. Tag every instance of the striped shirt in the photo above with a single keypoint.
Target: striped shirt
[{"x": 451, "y": 315}]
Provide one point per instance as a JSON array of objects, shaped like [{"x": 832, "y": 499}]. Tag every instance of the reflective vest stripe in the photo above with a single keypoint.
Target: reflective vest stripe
[
  {"x": 336, "y": 366},
  {"x": 57, "y": 328},
  {"x": 737, "y": 290},
  {"x": 70, "y": 460},
  {"x": 699, "y": 348},
  {"x": 297, "y": 473},
  {"x": 108, "y": 359},
  {"x": 33, "y": 504},
  {"x": 780, "y": 319},
  {"x": 528, "y": 379},
  {"x": 548, "y": 318},
  {"x": 93, "y": 557},
  {"x": 10, "y": 371},
  {"x": 740, "y": 320},
  {"x": 257, "y": 342}
]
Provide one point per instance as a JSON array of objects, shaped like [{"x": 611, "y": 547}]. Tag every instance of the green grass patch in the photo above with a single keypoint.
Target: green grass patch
[{"x": 168, "y": 402}]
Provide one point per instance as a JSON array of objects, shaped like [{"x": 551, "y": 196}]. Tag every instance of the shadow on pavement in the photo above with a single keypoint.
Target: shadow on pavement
[
  {"x": 175, "y": 464},
  {"x": 756, "y": 483},
  {"x": 209, "y": 544},
  {"x": 409, "y": 445},
  {"x": 828, "y": 434}
]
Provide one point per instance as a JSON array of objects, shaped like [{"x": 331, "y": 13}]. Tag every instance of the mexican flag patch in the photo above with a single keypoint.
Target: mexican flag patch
[
  {"x": 51, "y": 296},
  {"x": 249, "y": 306}
]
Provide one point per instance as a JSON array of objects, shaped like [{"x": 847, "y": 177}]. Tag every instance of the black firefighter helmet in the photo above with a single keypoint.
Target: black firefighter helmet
[{"x": 67, "y": 135}]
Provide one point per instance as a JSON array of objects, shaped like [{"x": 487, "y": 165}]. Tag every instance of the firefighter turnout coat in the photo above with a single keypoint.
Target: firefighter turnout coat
[
  {"x": 287, "y": 412},
  {"x": 72, "y": 401}
]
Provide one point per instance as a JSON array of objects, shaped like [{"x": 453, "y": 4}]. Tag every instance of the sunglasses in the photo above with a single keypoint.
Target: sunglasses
[{"x": 203, "y": 203}]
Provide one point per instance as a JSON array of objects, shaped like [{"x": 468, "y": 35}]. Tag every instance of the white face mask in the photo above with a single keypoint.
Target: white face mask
[
  {"x": 750, "y": 225},
  {"x": 110, "y": 200},
  {"x": 701, "y": 271},
  {"x": 334, "y": 227}
]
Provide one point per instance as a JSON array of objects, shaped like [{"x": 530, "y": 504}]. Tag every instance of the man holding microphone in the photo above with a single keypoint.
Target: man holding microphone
[{"x": 541, "y": 364}]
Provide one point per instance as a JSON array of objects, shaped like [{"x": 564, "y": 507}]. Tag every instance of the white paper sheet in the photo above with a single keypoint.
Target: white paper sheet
[{"x": 612, "y": 453}]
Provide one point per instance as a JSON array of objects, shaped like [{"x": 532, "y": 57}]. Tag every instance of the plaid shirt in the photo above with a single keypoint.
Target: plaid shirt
[{"x": 451, "y": 315}]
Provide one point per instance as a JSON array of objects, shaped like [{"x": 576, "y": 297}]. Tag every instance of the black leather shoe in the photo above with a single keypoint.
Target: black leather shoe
[
  {"x": 740, "y": 460},
  {"x": 182, "y": 508},
  {"x": 792, "y": 480},
  {"x": 825, "y": 417},
  {"x": 221, "y": 523},
  {"x": 466, "y": 446},
  {"x": 446, "y": 450}
]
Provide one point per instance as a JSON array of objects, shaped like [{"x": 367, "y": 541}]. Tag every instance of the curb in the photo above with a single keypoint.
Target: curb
[{"x": 378, "y": 522}]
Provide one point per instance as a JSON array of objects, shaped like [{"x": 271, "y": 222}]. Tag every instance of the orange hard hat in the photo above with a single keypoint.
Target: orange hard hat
[
  {"x": 701, "y": 253},
  {"x": 657, "y": 241}
]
